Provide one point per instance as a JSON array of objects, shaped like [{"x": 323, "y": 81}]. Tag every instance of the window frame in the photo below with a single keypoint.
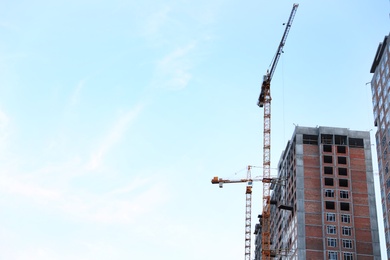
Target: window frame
[
  {"x": 347, "y": 256},
  {"x": 331, "y": 229},
  {"x": 345, "y": 218},
  {"x": 347, "y": 243},
  {"x": 332, "y": 255},
  {"x": 329, "y": 192},
  {"x": 331, "y": 242},
  {"x": 330, "y": 217},
  {"x": 344, "y": 194},
  {"x": 346, "y": 231}
]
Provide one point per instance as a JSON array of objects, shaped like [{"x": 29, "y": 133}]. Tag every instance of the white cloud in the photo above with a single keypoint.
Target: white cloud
[
  {"x": 174, "y": 69},
  {"x": 75, "y": 98},
  {"x": 114, "y": 136},
  {"x": 14, "y": 185},
  {"x": 155, "y": 21}
]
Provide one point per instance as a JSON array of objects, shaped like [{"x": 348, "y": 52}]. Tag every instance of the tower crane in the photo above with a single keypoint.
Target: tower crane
[
  {"x": 265, "y": 102},
  {"x": 248, "y": 207}
]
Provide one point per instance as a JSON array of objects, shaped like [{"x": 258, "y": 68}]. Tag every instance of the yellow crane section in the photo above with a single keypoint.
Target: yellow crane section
[
  {"x": 248, "y": 203},
  {"x": 265, "y": 102}
]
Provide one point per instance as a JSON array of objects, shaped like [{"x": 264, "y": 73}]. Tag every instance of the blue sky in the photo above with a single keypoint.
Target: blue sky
[{"x": 115, "y": 115}]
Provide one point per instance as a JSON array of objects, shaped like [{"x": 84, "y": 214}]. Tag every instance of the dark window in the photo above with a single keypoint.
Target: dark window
[
  {"x": 327, "y": 148},
  {"x": 341, "y": 149},
  {"x": 327, "y": 159},
  {"x": 329, "y": 204},
  {"x": 328, "y": 170},
  {"x": 342, "y": 160},
  {"x": 340, "y": 139},
  {"x": 342, "y": 171},
  {"x": 383, "y": 142},
  {"x": 326, "y": 139},
  {"x": 310, "y": 139},
  {"x": 344, "y": 206},
  {"x": 356, "y": 142},
  {"x": 343, "y": 183},
  {"x": 328, "y": 181}
]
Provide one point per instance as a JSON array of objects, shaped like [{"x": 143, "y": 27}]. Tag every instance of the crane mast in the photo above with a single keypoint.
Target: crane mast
[
  {"x": 248, "y": 204},
  {"x": 265, "y": 101}
]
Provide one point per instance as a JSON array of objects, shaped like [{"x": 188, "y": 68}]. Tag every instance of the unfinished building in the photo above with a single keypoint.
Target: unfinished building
[
  {"x": 324, "y": 204},
  {"x": 380, "y": 87}
]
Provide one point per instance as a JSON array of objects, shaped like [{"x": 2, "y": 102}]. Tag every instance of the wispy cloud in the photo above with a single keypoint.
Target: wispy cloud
[
  {"x": 155, "y": 21},
  {"x": 114, "y": 135},
  {"x": 16, "y": 186},
  {"x": 106, "y": 208},
  {"x": 75, "y": 98},
  {"x": 174, "y": 69}
]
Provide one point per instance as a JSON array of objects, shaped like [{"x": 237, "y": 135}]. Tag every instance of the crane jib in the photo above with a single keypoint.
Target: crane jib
[{"x": 268, "y": 77}]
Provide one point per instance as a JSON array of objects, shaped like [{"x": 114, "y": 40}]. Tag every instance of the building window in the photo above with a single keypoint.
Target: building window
[
  {"x": 346, "y": 218},
  {"x": 343, "y": 182},
  {"x": 346, "y": 231},
  {"x": 332, "y": 255},
  {"x": 327, "y": 148},
  {"x": 329, "y": 205},
  {"x": 347, "y": 243},
  {"x": 329, "y": 193},
  {"x": 332, "y": 242},
  {"x": 344, "y": 206},
  {"x": 330, "y": 229},
  {"x": 331, "y": 217},
  {"x": 356, "y": 142},
  {"x": 388, "y": 183},
  {"x": 343, "y": 171},
  {"x": 310, "y": 139},
  {"x": 347, "y": 256},
  {"x": 341, "y": 149},
  {"x": 344, "y": 194},
  {"x": 328, "y": 170},
  {"x": 328, "y": 159},
  {"x": 342, "y": 160},
  {"x": 328, "y": 182},
  {"x": 326, "y": 139}
]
